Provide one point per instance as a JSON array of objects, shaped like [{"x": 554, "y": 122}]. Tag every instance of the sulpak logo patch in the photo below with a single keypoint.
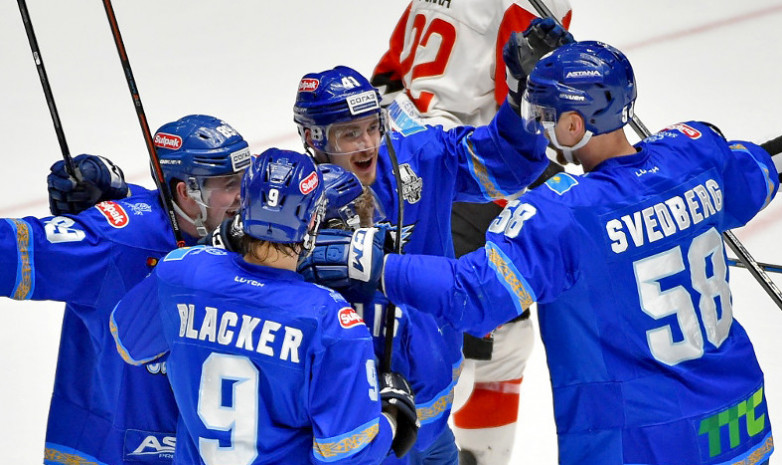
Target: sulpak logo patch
[
  {"x": 308, "y": 85},
  {"x": 114, "y": 212},
  {"x": 168, "y": 141},
  {"x": 309, "y": 183},
  {"x": 688, "y": 131},
  {"x": 348, "y": 318}
]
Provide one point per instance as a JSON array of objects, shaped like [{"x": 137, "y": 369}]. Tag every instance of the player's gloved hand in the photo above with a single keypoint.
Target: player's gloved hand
[
  {"x": 227, "y": 236},
  {"x": 101, "y": 180},
  {"x": 524, "y": 49},
  {"x": 348, "y": 262},
  {"x": 551, "y": 170},
  {"x": 398, "y": 400}
]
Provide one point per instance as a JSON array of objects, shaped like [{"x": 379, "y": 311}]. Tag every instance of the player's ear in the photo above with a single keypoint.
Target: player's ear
[
  {"x": 308, "y": 137},
  {"x": 179, "y": 193},
  {"x": 576, "y": 124}
]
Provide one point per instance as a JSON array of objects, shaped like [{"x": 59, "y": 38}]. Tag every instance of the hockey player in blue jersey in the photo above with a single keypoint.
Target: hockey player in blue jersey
[
  {"x": 627, "y": 265},
  {"x": 340, "y": 121},
  {"x": 339, "y": 118},
  {"x": 265, "y": 367},
  {"x": 104, "y": 411}
]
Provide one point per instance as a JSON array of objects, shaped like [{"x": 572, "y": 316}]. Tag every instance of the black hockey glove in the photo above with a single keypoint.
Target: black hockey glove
[
  {"x": 389, "y": 85},
  {"x": 523, "y": 50},
  {"x": 101, "y": 180},
  {"x": 774, "y": 148},
  {"x": 551, "y": 170},
  {"x": 227, "y": 236},
  {"x": 348, "y": 262},
  {"x": 398, "y": 400}
]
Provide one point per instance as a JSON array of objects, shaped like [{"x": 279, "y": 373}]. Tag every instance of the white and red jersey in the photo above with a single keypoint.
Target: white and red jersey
[{"x": 447, "y": 55}]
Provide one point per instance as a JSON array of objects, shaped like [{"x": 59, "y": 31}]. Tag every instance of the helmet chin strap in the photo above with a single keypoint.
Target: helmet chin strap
[
  {"x": 198, "y": 221},
  {"x": 567, "y": 152}
]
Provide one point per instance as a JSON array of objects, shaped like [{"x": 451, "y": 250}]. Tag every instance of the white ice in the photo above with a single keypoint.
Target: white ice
[{"x": 241, "y": 60}]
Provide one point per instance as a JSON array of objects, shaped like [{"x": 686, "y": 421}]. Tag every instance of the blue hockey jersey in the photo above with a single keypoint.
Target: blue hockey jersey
[
  {"x": 265, "y": 368},
  {"x": 437, "y": 168},
  {"x": 628, "y": 267},
  {"x": 103, "y": 410}
]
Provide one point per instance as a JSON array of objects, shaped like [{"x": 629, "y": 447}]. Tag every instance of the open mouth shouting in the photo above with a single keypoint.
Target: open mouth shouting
[{"x": 363, "y": 165}]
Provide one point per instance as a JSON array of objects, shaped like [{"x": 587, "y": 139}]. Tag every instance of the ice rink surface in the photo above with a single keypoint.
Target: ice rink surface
[{"x": 241, "y": 60}]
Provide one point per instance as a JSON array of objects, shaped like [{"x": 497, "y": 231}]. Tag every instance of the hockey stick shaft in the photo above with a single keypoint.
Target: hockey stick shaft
[
  {"x": 160, "y": 182},
  {"x": 741, "y": 252},
  {"x": 767, "y": 267},
  {"x": 47, "y": 90},
  {"x": 391, "y": 308}
]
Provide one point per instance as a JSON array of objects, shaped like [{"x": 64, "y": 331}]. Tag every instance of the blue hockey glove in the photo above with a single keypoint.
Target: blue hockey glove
[
  {"x": 348, "y": 262},
  {"x": 227, "y": 236},
  {"x": 523, "y": 50},
  {"x": 101, "y": 180},
  {"x": 398, "y": 400}
]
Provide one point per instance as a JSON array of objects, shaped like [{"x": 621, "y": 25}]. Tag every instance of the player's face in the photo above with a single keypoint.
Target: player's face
[
  {"x": 354, "y": 146},
  {"x": 221, "y": 197}
]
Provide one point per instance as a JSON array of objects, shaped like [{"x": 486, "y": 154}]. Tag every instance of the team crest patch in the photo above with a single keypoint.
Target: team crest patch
[
  {"x": 114, "y": 213},
  {"x": 412, "y": 184},
  {"x": 140, "y": 208},
  {"x": 348, "y": 318},
  {"x": 561, "y": 183}
]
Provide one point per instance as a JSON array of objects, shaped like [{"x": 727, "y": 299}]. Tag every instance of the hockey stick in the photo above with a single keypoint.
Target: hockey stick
[
  {"x": 743, "y": 255},
  {"x": 390, "y": 315},
  {"x": 47, "y": 90},
  {"x": 767, "y": 267},
  {"x": 165, "y": 194}
]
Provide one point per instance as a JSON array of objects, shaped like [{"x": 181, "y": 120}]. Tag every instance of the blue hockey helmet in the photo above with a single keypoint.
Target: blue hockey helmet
[
  {"x": 200, "y": 145},
  {"x": 342, "y": 188},
  {"x": 197, "y": 150},
  {"x": 591, "y": 78},
  {"x": 282, "y": 198},
  {"x": 333, "y": 96}
]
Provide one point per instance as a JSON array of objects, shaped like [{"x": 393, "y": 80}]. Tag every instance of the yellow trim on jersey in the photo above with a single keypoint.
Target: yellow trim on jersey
[{"x": 346, "y": 445}]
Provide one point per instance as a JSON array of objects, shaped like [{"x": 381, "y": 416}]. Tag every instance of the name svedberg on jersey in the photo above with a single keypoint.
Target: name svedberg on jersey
[{"x": 650, "y": 223}]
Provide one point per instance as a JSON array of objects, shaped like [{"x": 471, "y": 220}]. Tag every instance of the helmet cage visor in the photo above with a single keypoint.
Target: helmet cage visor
[
  {"x": 308, "y": 242},
  {"x": 215, "y": 191},
  {"x": 357, "y": 135},
  {"x": 537, "y": 118}
]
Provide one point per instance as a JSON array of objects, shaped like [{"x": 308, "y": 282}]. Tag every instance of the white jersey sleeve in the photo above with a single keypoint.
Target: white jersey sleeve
[{"x": 448, "y": 56}]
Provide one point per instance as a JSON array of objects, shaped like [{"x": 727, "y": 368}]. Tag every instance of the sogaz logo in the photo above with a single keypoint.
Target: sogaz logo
[
  {"x": 362, "y": 102},
  {"x": 240, "y": 159}
]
